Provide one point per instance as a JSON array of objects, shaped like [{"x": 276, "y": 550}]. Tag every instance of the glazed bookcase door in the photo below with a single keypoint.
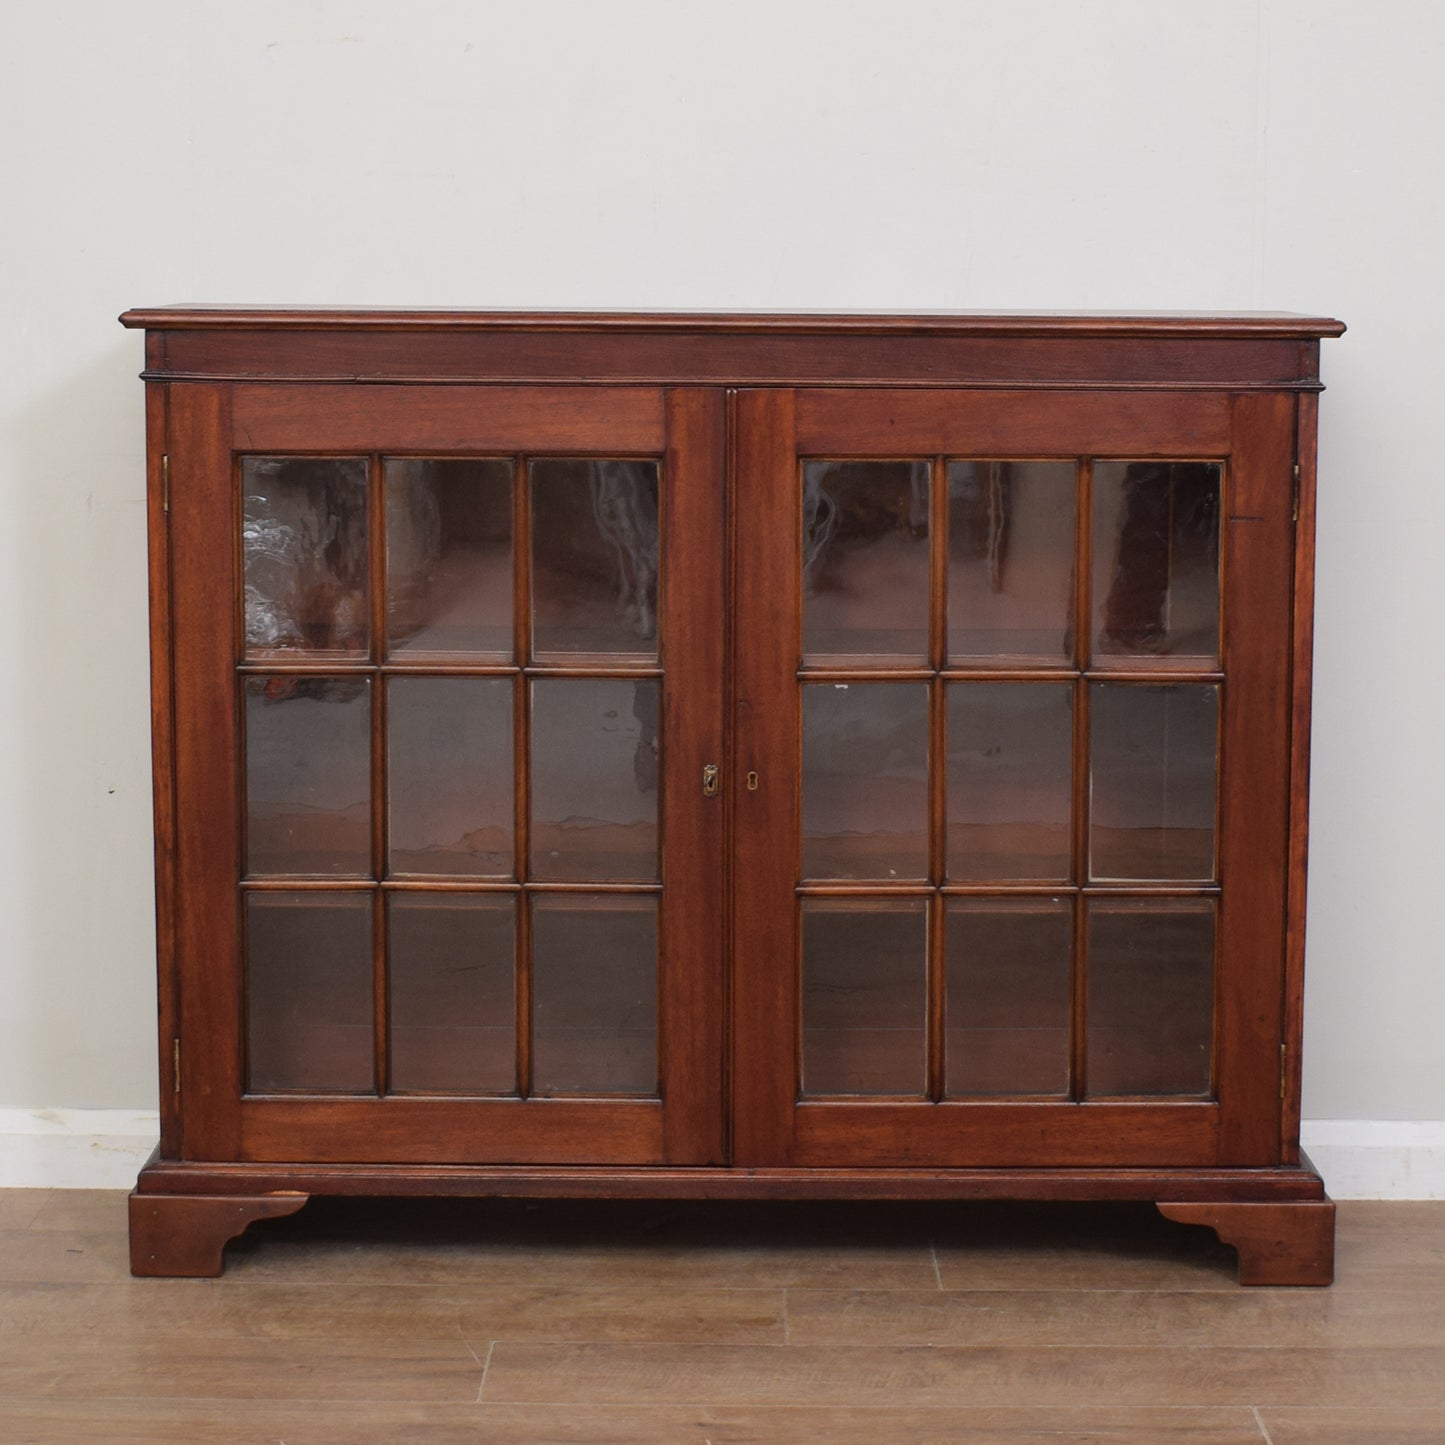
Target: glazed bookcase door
[
  {"x": 1011, "y": 676},
  {"x": 453, "y": 658}
]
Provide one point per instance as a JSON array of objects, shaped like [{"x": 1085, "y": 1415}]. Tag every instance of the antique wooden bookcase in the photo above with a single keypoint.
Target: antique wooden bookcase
[{"x": 731, "y": 756}]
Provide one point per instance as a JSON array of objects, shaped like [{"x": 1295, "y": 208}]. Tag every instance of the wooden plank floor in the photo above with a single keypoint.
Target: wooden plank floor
[{"x": 361, "y": 1321}]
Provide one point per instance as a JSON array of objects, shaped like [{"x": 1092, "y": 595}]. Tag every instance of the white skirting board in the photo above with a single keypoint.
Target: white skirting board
[
  {"x": 103, "y": 1149},
  {"x": 1378, "y": 1158},
  {"x": 75, "y": 1148}
]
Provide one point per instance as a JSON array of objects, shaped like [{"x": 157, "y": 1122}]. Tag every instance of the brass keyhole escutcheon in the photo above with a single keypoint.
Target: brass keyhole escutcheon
[
  {"x": 709, "y": 781},
  {"x": 752, "y": 782}
]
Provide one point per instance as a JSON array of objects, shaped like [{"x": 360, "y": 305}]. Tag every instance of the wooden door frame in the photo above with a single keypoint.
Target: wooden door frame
[
  {"x": 1254, "y": 433},
  {"x": 207, "y": 425}
]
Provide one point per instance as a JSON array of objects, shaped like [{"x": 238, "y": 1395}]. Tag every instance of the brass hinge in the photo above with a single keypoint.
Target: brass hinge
[
  {"x": 1284, "y": 1071},
  {"x": 175, "y": 1066},
  {"x": 1294, "y": 506},
  {"x": 166, "y": 482}
]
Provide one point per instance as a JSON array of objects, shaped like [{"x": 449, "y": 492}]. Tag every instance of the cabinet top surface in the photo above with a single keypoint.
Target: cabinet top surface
[{"x": 934, "y": 323}]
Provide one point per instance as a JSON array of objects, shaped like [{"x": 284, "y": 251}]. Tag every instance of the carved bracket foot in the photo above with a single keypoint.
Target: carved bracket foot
[
  {"x": 185, "y": 1235},
  {"x": 1277, "y": 1243}
]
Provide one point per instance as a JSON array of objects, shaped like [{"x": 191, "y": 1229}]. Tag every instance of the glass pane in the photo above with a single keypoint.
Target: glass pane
[
  {"x": 303, "y": 541},
  {"x": 1008, "y": 988},
  {"x": 1011, "y": 561},
  {"x": 1010, "y": 771},
  {"x": 865, "y": 780},
  {"x": 865, "y": 967},
  {"x": 1152, "y": 781},
  {"x": 309, "y": 992},
  {"x": 450, "y": 775},
  {"x": 1151, "y": 996},
  {"x": 1156, "y": 558},
  {"x": 449, "y": 556},
  {"x": 594, "y": 558},
  {"x": 452, "y": 970},
  {"x": 594, "y": 779},
  {"x": 308, "y": 775},
  {"x": 865, "y": 560},
  {"x": 594, "y": 994}
]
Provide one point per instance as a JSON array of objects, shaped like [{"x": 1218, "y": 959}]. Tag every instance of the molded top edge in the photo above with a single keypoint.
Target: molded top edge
[{"x": 861, "y": 323}]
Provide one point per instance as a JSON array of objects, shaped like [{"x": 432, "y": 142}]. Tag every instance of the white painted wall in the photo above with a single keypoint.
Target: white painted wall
[{"x": 760, "y": 153}]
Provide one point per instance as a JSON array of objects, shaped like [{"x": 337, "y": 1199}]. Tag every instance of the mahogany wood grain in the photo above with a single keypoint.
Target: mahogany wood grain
[
  {"x": 694, "y": 862},
  {"x": 186, "y": 1235},
  {"x": 1003, "y": 1134},
  {"x": 522, "y": 759},
  {"x": 411, "y": 1129},
  {"x": 1081, "y": 805},
  {"x": 767, "y": 607},
  {"x": 163, "y": 773},
  {"x": 438, "y": 419},
  {"x": 1254, "y": 779},
  {"x": 985, "y": 362},
  {"x": 1302, "y": 614},
  {"x": 191, "y": 316},
  {"x": 1278, "y": 1244},
  {"x": 729, "y": 1123},
  {"x": 208, "y": 803},
  {"x": 919, "y": 1182},
  {"x": 1011, "y": 424}
]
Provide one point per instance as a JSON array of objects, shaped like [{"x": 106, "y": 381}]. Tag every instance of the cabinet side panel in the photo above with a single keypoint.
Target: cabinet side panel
[
  {"x": 1255, "y": 772},
  {"x": 162, "y": 742},
  {"x": 207, "y": 806},
  {"x": 1306, "y": 448},
  {"x": 694, "y": 862},
  {"x": 765, "y": 817}
]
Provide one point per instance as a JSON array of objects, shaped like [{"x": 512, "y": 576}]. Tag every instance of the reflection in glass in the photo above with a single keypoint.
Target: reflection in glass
[
  {"x": 1152, "y": 761},
  {"x": 1008, "y": 990},
  {"x": 1156, "y": 558},
  {"x": 865, "y": 967},
  {"x": 450, "y": 775},
  {"x": 594, "y": 993},
  {"x": 452, "y": 973},
  {"x": 308, "y": 775},
  {"x": 865, "y": 780},
  {"x": 595, "y": 745},
  {"x": 449, "y": 556},
  {"x": 309, "y": 993},
  {"x": 303, "y": 544},
  {"x": 1010, "y": 765},
  {"x": 865, "y": 559},
  {"x": 1151, "y": 996},
  {"x": 1010, "y": 561},
  {"x": 594, "y": 557}
]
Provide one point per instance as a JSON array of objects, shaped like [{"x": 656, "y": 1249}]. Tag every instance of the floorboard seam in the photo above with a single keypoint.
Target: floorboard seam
[{"x": 481, "y": 1388}]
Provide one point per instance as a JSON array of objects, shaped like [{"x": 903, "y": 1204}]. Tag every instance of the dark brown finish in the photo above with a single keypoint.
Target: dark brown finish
[
  {"x": 186, "y": 1234},
  {"x": 163, "y": 758},
  {"x": 921, "y": 1182},
  {"x": 1303, "y": 621},
  {"x": 766, "y": 607},
  {"x": 1277, "y": 1243},
  {"x": 731, "y": 408},
  {"x": 973, "y": 349},
  {"x": 193, "y": 316},
  {"x": 1254, "y": 746}
]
